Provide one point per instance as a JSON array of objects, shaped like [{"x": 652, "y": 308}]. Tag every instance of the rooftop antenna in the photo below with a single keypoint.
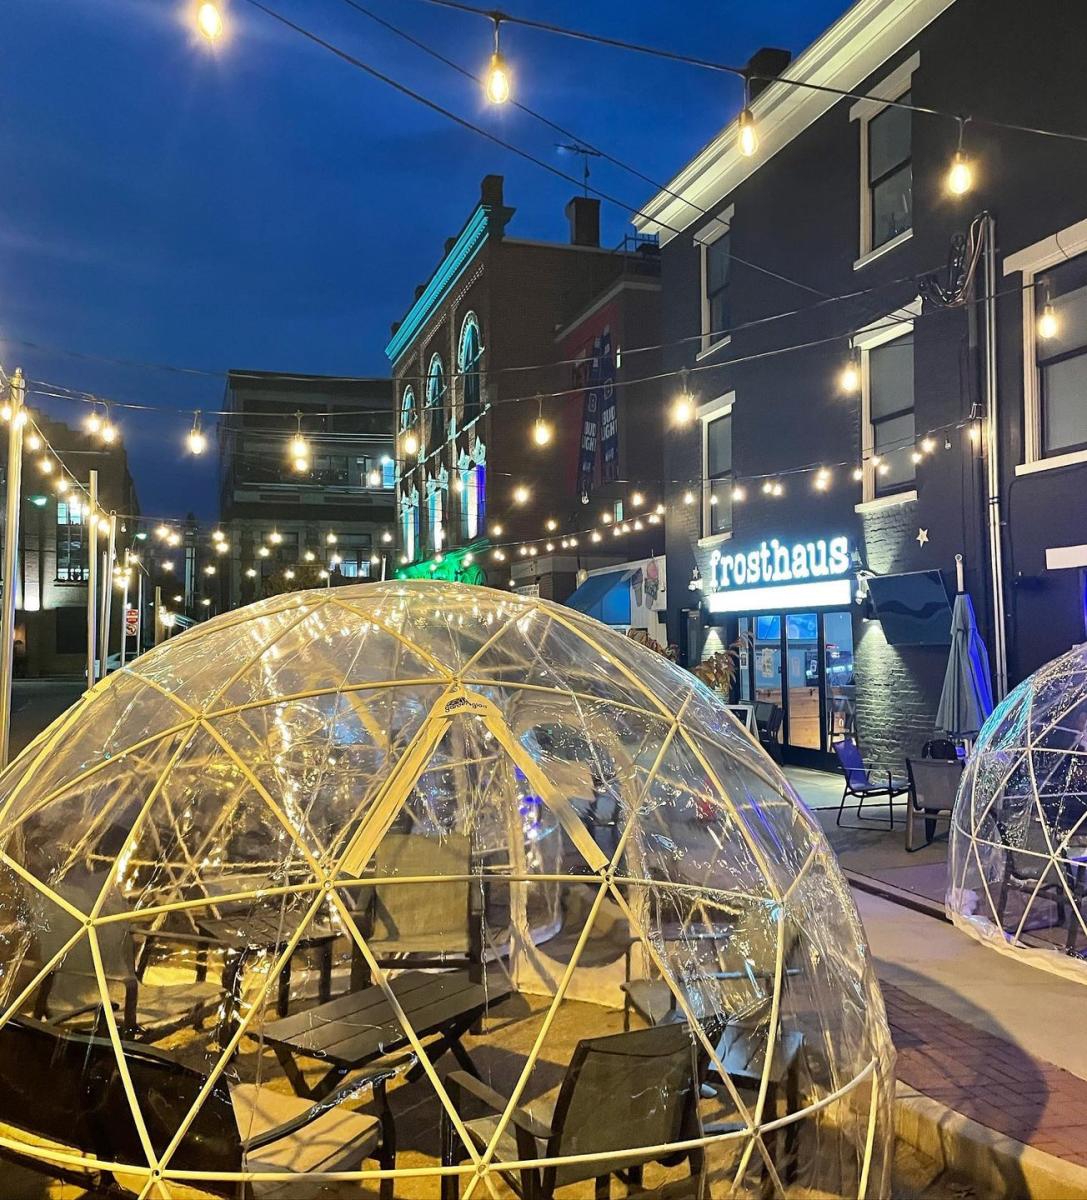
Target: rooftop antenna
[{"x": 586, "y": 153}]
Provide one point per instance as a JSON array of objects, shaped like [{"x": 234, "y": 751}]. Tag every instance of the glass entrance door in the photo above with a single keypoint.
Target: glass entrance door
[{"x": 804, "y": 708}]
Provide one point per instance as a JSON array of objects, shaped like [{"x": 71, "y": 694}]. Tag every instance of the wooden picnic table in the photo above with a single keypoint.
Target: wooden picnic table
[{"x": 353, "y": 1030}]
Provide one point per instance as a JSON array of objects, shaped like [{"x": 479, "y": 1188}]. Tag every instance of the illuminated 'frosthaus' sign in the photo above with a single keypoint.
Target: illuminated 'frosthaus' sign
[{"x": 780, "y": 562}]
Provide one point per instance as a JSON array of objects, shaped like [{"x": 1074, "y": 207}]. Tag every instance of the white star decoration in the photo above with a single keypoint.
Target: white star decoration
[{"x": 922, "y": 537}]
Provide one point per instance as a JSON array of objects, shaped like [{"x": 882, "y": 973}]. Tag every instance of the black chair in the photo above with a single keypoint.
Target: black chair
[
  {"x": 620, "y": 1093},
  {"x": 768, "y": 718},
  {"x": 1030, "y": 868},
  {"x": 864, "y": 784},
  {"x": 66, "y": 1087},
  {"x": 934, "y": 784}
]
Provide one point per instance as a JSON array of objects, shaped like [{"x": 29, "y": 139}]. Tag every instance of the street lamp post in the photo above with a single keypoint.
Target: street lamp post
[
  {"x": 11, "y": 543},
  {"x": 92, "y": 577}
]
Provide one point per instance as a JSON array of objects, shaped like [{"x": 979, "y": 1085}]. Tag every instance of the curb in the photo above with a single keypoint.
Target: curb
[{"x": 1001, "y": 1167}]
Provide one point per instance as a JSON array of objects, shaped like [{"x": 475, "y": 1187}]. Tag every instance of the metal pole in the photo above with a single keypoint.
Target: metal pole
[
  {"x": 91, "y": 516},
  {"x": 139, "y": 610},
  {"x": 124, "y": 616},
  {"x": 160, "y": 628},
  {"x": 992, "y": 468},
  {"x": 11, "y": 545},
  {"x": 107, "y": 593}
]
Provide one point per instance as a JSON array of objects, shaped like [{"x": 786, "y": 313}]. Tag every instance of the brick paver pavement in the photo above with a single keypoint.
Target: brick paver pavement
[{"x": 989, "y": 1079}]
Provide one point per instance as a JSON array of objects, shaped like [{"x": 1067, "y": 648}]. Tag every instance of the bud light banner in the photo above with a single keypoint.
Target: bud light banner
[
  {"x": 600, "y": 424},
  {"x": 609, "y": 419}
]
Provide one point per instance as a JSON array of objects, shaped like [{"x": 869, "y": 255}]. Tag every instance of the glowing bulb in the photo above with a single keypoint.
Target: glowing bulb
[
  {"x": 498, "y": 80},
  {"x": 520, "y": 494},
  {"x": 92, "y": 424},
  {"x": 374, "y": 478},
  {"x": 549, "y": 547},
  {"x": 275, "y": 537},
  {"x": 330, "y": 539},
  {"x": 264, "y": 552},
  {"x": 288, "y": 574},
  {"x": 206, "y": 602},
  {"x": 5, "y": 412},
  {"x": 916, "y": 456},
  {"x": 250, "y": 573},
  {"x": 335, "y": 560},
  {"x": 683, "y": 410},
  {"x": 928, "y": 444},
  {"x": 222, "y": 547},
  {"x": 109, "y": 433},
  {"x": 198, "y": 443},
  {"x": 45, "y": 466},
  {"x": 301, "y": 464},
  {"x": 499, "y": 556},
  {"x": 595, "y": 536},
  {"x": 374, "y": 560},
  {"x": 496, "y": 530},
  {"x": 552, "y": 524},
  {"x": 522, "y": 551},
  {"x": 876, "y": 460},
  {"x": 309, "y": 556},
  {"x": 688, "y": 497},
  {"x": 217, "y": 535},
  {"x": 858, "y": 474},
  {"x": 209, "y": 21},
  {"x": 883, "y": 468},
  {"x": 161, "y": 531},
  {"x": 174, "y": 539},
  {"x": 738, "y": 493},
  {"x": 62, "y": 486},
  {"x": 532, "y": 552},
  {"x": 606, "y": 518},
  {"x": 975, "y": 432},
  {"x": 323, "y": 574},
  {"x": 167, "y": 565},
  {"x": 386, "y": 537},
  {"x": 1048, "y": 324},
  {"x": 778, "y": 490},
  {"x": 33, "y": 442},
  {"x": 960, "y": 179},
  {"x": 637, "y": 499},
  {"x": 748, "y": 135},
  {"x": 767, "y": 487},
  {"x": 850, "y": 378},
  {"x": 209, "y": 570},
  {"x": 541, "y": 433},
  {"x": 411, "y": 443}
]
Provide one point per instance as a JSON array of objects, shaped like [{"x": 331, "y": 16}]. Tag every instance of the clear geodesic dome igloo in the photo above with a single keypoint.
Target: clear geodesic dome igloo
[
  {"x": 422, "y": 889},
  {"x": 1019, "y": 829}
]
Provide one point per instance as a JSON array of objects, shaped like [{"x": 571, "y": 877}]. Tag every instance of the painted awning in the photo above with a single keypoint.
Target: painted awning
[{"x": 605, "y": 596}]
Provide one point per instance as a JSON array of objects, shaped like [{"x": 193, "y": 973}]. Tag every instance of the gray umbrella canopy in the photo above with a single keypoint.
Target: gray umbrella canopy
[{"x": 967, "y": 696}]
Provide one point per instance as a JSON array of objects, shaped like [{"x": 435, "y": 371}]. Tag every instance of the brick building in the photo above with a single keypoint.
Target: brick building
[
  {"x": 960, "y": 433},
  {"x": 505, "y": 333},
  {"x": 51, "y": 600}
]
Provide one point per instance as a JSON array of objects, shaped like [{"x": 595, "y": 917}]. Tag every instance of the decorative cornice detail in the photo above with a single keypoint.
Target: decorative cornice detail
[{"x": 449, "y": 271}]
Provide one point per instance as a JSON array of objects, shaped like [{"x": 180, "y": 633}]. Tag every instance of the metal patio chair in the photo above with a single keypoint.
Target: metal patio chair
[
  {"x": 66, "y": 1087},
  {"x": 934, "y": 784},
  {"x": 1030, "y": 870},
  {"x": 863, "y": 783},
  {"x": 620, "y": 1093}
]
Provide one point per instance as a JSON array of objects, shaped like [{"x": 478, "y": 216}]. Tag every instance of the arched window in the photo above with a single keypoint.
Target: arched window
[
  {"x": 437, "y": 510},
  {"x": 409, "y": 525},
  {"x": 473, "y": 490},
  {"x": 468, "y": 356},
  {"x": 435, "y": 399},
  {"x": 407, "y": 408}
]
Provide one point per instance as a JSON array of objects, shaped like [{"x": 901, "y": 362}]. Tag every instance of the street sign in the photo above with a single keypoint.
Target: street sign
[{"x": 132, "y": 622}]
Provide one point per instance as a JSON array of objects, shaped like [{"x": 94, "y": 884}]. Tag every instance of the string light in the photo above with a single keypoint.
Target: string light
[
  {"x": 288, "y": 574},
  {"x": 109, "y": 433},
  {"x": 62, "y": 486},
  {"x": 374, "y": 478},
  {"x": 330, "y": 538},
  {"x": 960, "y": 178},
  {"x": 747, "y": 135},
  {"x": 174, "y": 539},
  {"x": 499, "y": 556},
  {"x": 496, "y": 530},
  {"x": 520, "y": 494},
  {"x": 688, "y": 497},
  {"x": 411, "y": 443},
  {"x": 222, "y": 547},
  {"x": 209, "y": 20},
  {"x": 637, "y": 499},
  {"x": 822, "y": 479},
  {"x": 916, "y": 456},
  {"x": 309, "y": 556},
  {"x": 250, "y": 572},
  {"x": 206, "y": 602},
  {"x": 264, "y": 552},
  {"x": 45, "y": 466},
  {"x": 595, "y": 536},
  {"x": 739, "y": 494},
  {"x": 33, "y": 442},
  {"x": 5, "y": 411},
  {"x": 928, "y": 444},
  {"x": 209, "y": 570},
  {"x": 541, "y": 430},
  {"x": 606, "y": 518},
  {"x": 767, "y": 487},
  {"x": 683, "y": 408},
  {"x": 92, "y": 423},
  {"x": 497, "y": 83},
  {"x": 858, "y": 474},
  {"x": 275, "y": 537},
  {"x": 1049, "y": 324},
  {"x": 549, "y": 547},
  {"x": 849, "y": 381},
  {"x": 386, "y": 537},
  {"x": 551, "y": 524},
  {"x": 197, "y": 442}
]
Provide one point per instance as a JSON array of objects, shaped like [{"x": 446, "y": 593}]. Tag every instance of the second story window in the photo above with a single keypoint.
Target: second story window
[
  {"x": 717, "y": 467},
  {"x": 71, "y": 543},
  {"x": 890, "y": 173},
  {"x": 715, "y": 248},
  {"x": 1061, "y": 357},
  {"x": 886, "y": 162},
  {"x": 471, "y": 350},
  {"x": 888, "y": 404},
  {"x": 435, "y": 405}
]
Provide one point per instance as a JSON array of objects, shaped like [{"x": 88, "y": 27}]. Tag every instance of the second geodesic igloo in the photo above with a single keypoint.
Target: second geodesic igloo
[
  {"x": 1019, "y": 830},
  {"x": 319, "y": 863}
]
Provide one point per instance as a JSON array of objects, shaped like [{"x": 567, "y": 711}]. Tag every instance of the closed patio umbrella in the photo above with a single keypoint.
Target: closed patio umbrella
[{"x": 967, "y": 696}]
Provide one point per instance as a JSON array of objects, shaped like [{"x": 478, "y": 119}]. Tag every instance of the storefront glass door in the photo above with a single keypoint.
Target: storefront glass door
[{"x": 802, "y": 649}]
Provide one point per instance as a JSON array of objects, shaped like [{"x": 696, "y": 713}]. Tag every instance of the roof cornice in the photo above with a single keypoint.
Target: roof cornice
[
  {"x": 857, "y": 44},
  {"x": 452, "y": 266}
]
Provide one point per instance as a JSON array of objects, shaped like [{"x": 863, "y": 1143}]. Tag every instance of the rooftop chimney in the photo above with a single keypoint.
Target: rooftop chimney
[
  {"x": 767, "y": 63},
  {"x": 490, "y": 191},
  {"x": 583, "y": 213}
]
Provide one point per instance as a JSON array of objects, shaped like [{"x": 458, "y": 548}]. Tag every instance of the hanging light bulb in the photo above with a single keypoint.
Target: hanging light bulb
[
  {"x": 209, "y": 570},
  {"x": 173, "y": 539},
  {"x": 5, "y": 411},
  {"x": 916, "y": 456},
  {"x": 92, "y": 424},
  {"x": 595, "y": 536},
  {"x": 928, "y": 444},
  {"x": 688, "y": 497},
  {"x": 288, "y": 574},
  {"x": 309, "y": 556},
  {"x": 374, "y": 478},
  {"x": 778, "y": 489},
  {"x": 264, "y": 552},
  {"x": 250, "y": 572},
  {"x": 739, "y": 494},
  {"x": 850, "y": 378},
  {"x": 168, "y": 565},
  {"x": 109, "y": 433},
  {"x": 497, "y": 83},
  {"x": 45, "y": 466},
  {"x": 330, "y": 538},
  {"x": 1049, "y": 324},
  {"x": 197, "y": 442},
  {"x": 960, "y": 177},
  {"x": 62, "y": 486},
  {"x": 520, "y": 494},
  {"x": 496, "y": 530},
  {"x": 683, "y": 408},
  {"x": 386, "y": 537},
  {"x": 748, "y": 137},
  {"x": 275, "y": 537},
  {"x": 411, "y": 443},
  {"x": 33, "y": 442},
  {"x": 209, "y": 21},
  {"x": 552, "y": 524},
  {"x": 541, "y": 430},
  {"x": 858, "y": 474},
  {"x": 637, "y": 499}
]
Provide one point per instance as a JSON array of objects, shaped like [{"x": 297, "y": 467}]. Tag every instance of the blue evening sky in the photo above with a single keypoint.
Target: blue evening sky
[{"x": 264, "y": 205}]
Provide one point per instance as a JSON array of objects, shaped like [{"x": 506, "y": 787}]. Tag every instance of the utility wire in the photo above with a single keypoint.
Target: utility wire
[{"x": 742, "y": 72}]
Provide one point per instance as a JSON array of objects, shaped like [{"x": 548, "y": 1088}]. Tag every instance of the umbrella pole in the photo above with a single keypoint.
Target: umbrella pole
[{"x": 959, "y": 588}]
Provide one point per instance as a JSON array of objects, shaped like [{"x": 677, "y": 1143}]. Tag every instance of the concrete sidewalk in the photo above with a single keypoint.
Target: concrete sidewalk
[{"x": 994, "y": 1050}]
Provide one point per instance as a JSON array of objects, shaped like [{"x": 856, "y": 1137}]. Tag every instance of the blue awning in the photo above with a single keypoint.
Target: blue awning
[{"x": 605, "y": 597}]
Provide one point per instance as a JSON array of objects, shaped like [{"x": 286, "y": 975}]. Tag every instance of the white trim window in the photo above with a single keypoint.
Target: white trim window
[
  {"x": 717, "y": 473},
  {"x": 888, "y": 426},
  {"x": 434, "y": 422},
  {"x": 469, "y": 352},
  {"x": 1054, "y": 366},
  {"x": 886, "y": 164},
  {"x": 715, "y": 280}
]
